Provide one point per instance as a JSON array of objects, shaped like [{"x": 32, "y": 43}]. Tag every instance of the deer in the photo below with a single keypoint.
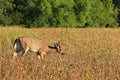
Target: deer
[{"x": 40, "y": 47}]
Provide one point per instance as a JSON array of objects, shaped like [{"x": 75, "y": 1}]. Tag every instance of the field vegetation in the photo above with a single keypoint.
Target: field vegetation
[{"x": 90, "y": 54}]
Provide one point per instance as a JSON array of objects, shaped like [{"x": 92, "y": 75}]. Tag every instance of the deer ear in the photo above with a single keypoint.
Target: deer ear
[{"x": 57, "y": 43}]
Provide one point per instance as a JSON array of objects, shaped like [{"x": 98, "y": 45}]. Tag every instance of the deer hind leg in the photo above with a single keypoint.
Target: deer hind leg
[
  {"x": 25, "y": 51},
  {"x": 17, "y": 48},
  {"x": 16, "y": 52}
]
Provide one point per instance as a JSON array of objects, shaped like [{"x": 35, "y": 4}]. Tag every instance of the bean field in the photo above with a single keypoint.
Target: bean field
[{"x": 90, "y": 54}]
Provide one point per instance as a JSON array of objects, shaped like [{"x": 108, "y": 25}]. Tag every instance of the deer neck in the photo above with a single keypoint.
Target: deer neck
[{"x": 51, "y": 47}]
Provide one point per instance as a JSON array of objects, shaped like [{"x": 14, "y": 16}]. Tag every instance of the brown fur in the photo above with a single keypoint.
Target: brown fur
[{"x": 40, "y": 47}]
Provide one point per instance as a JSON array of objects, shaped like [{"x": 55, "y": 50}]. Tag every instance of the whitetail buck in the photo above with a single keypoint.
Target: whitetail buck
[{"x": 25, "y": 44}]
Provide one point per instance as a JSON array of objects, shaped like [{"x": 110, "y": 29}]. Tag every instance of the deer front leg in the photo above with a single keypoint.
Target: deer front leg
[{"x": 42, "y": 54}]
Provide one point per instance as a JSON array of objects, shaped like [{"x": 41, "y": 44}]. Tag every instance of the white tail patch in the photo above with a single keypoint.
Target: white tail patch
[{"x": 15, "y": 46}]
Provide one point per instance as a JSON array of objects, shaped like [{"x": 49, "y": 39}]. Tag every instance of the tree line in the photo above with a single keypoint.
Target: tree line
[{"x": 60, "y": 13}]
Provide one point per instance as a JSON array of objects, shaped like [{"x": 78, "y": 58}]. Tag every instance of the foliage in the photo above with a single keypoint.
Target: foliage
[
  {"x": 117, "y": 4},
  {"x": 59, "y": 13},
  {"x": 5, "y": 8}
]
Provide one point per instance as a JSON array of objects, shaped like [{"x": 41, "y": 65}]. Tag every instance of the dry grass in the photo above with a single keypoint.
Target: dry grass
[{"x": 90, "y": 54}]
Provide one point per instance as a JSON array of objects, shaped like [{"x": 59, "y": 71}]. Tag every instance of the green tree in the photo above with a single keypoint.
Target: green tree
[
  {"x": 44, "y": 13},
  {"x": 82, "y": 10},
  {"x": 110, "y": 13},
  {"x": 95, "y": 13},
  {"x": 62, "y": 14},
  {"x": 59, "y": 13},
  {"x": 26, "y": 11},
  {"x": 117, "y": 4},
  {"x": 5, "y": 8}
]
